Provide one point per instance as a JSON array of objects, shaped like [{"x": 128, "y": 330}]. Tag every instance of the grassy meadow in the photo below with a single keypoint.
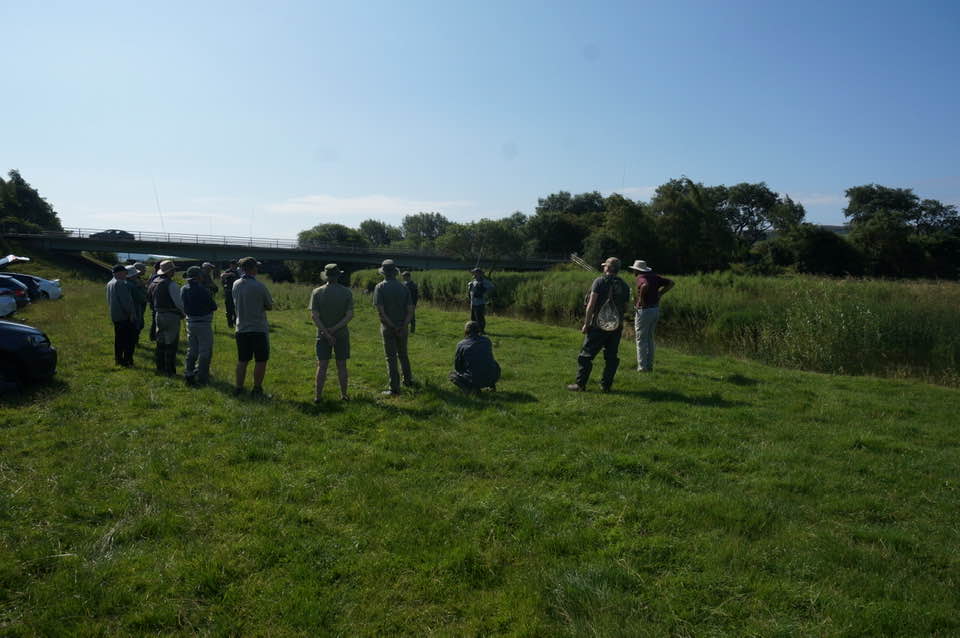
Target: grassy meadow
[
  {"x": 899, "y": 329},
  {"x": 715, "y": 497}
]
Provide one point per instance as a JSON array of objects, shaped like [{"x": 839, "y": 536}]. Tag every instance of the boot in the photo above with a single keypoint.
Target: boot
[
  {"x": 159, "y": 357},
  {"x": 170, "y": 361}
]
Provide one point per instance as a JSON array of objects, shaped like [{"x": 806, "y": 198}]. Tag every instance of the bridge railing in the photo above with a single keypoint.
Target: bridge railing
[{"x": 122, "y": 236}]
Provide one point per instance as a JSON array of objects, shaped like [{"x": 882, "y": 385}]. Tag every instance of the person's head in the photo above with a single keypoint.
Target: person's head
[
  {"x": 611, "y": 266},
  {"x": 249, "y": 265},
  {"x": 141, "y": 267},
  {"x": 120, "y": 272},
  {"x": 406, "y": 275},
  {"x": 132, "y": 272},
  {"x": 471, "y": 329},
  {"x": 166, "y": 268},
  {"x": 156, "y": 267},
  {"x": 194, "y": 273},
  {"x": 232, "y": 265},
  {"x": 331, "y": 273},
  {"x": 207, "y": 266},
  {"x": 477, "y": 273},
  {"x": 388, "y": 269}
]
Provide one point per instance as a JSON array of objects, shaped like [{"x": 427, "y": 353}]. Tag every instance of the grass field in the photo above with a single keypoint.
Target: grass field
[{"x": 716, "y": 497}]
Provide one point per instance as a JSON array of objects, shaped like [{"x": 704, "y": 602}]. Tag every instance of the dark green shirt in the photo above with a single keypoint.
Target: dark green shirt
[
  {"x": 394, "y": 297},
  {"x": 331, "y": 302}
]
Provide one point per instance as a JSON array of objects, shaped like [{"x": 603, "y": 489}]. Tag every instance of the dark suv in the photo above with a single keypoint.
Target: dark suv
[
  {"x": 33, "y": 288},
  {"x": 25, "y": 354},
  {"x": 10, "y": 286}
]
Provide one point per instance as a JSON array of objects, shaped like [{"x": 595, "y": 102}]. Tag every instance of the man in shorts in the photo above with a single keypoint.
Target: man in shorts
[
  {"x": 331, "y": 308},
  {"x": 252, "y": 300}
]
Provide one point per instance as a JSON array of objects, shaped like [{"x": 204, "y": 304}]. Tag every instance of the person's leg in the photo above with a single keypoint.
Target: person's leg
[
  {"x": 321, "y": 378},
  {"x": 592, "y": 342},
  {"x": 204, "y": 351},
  {"x": 259, "y": 371},
  {"x": 241, "y": 373},
  {"x": 117, "y": 343},
  {"x": 413, "y": 322},
  {"x": 262, "y": 354},
  {"x": 171, "y": 365},
  {"x": 193, "y": 350},
  {"x": 482, "y": 318},
  {"x": 244, "y": 354},
  {"x": 402, "y": 341},
  {"x": 611, "y": 359},
  {"x": 342, "y": 377},
  {"x": 390, "y": 352},
  {"x": 651, "y": 345},
  {"x": 646, "y": 322},
  {"x": 132, "y": 333}
]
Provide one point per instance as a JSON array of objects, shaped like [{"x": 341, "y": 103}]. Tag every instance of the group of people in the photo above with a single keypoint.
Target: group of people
[{"x": 331, "y": 307}]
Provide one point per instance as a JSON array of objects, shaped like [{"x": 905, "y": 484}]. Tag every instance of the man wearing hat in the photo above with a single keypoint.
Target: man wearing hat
[
  {"x": 650, "y": 287},
  {"x": 138, "y": 290},
  {"x": 123, "y": 313},
  {"x": 198, "y": 305},
  {"x": 252, "y": 300},
  {"x": 164, "y": 294},
  {"x": 411, "y": 285},
  {"x": 229, "y": 277},
  {"x": 331, "y": 308},
  {"x": 477, "y": 291},
  {"x": 393, "y": 303},
  {"x": 207, "y": 277},
  {"x": 608, "y": 297}
]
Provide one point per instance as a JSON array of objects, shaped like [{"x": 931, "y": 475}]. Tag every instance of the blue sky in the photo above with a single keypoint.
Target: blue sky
[{"x": 272, "y": 117}]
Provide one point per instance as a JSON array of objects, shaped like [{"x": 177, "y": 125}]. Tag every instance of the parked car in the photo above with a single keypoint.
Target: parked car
[
  {"x": 26, "y": 354},
  {"x": 9, "y": 260},
  {"x": 10, "y": 286},
  {"x": 113, "y": 233},
  {"x": 8, "y": 305},
  {"x": 33, "y": 288},
  {"x": 49, "y": 288}
]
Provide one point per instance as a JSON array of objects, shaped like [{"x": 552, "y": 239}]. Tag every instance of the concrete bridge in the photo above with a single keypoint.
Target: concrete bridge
[{"x": 221, "y": 248}]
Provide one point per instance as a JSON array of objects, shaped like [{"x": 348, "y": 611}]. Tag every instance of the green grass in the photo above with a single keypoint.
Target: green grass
[
  {"x": 899, "y": 329},
  {"x": 716, "y": 497}
]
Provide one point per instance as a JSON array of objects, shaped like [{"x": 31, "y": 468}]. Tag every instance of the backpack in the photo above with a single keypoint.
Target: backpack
[{"x": 609, "y": 316}]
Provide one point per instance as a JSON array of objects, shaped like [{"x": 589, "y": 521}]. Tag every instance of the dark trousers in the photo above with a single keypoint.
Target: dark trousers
[
  {"x": 479, "y": 314},
  {"x": 595, "y": 341},
  {"x": 124, "y": 340},
  {"x": 230, "y": 309},
  {"x": 413, "y": 321}
]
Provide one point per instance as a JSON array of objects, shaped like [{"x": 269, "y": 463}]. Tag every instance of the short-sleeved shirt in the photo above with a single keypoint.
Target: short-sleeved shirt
[
  {"x": 649, "y": 296},
  {"x": 414, "y": 291},
  {"x": 394, "y": 297},
  {"x": 621, "y": 292},
  {"x": 332, "y": 302},
  {"x": 478, "y": 289},
  {"x": 251, "y": 299}
]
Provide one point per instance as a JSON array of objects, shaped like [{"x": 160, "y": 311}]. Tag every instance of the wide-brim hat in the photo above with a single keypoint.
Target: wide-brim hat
[
  {"x": 640, "y": 266},
  {"x": 119, "y": 268},
  {"x": 194, "y": 271},
  {"x": 166, "y": 266},
  {"x": 388, "y": 267},
  {"x": 132, "y": 271},
  {"x": 248, "y": 261},
  {"x": 477, "y": 270},
  {"x": 611, "y": 261}
]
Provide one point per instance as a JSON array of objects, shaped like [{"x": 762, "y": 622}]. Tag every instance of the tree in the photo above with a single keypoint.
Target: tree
[
  {"x": 865, "y": 202},
  {"x": 691, "y": 226},
  {"x": 787, "y": 215},
  {"x": 424, "y": 228},
  {"x": 748, "y": 209},
  {"x": 815, "y": 250},
  {"x": 628, "y": 232},
  {"x": 379, "y": 233},
  {"x": 20, "y": 200},
  {"x": 330, "y": 234}
]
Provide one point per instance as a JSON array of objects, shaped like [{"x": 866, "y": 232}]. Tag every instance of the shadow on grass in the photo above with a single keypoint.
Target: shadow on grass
[
  {"x": 665, "y": 396},
  {"x": 735, "y": 379},
  {"x": 12, "y": 395},
  {"x": 458, "y": 397}
]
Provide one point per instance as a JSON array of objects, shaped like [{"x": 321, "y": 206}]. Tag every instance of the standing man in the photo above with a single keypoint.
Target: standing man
[
  {"x": 602, "y": 326},
  {"x": 153, "y": 311},
  {"x": 331, "y": 307},
  {"x": 138, "y": 290},
  {"x": 198, "y": 305},
  {"x": 123, "y": 313},
  {"x": 227, "y": 278},
  {"x": 252, "y": 301},
  {"x": 164, "y": 294},
  {"x": 207, "y": 277},
  {"x": 411, "y": 285},
  {"x": 650, "y": 287},
  {"x": 477, "y": 290},
  {"x": 393, "y": 304}
]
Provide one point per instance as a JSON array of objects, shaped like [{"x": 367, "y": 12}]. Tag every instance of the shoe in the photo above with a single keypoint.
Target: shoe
[
  {"x": 605, "y": 389},
  {"x": 410, "y": 383},
  {"x": 344, "y": 397},
  {"x": 391, "y": 393},
  {"x": 258, "y": 393},
  {"x": 317, "y": 401},
  {"x": 238, "y": 392},
  {"x": 573, "y": 387},
  {"x": 191, "y": 381}
]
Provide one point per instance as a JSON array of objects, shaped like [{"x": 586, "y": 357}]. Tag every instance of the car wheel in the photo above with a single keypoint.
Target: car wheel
[
  {"x": 44, "y": 294},
  {"x": 9, "y": 379}
]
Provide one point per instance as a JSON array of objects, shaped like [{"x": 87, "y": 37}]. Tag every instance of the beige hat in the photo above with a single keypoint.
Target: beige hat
[
  {"x": 166, "y": 267},
  {"x": 613, "y": 262},
  {"x": 388, "y": 267},
  {"x": 640, "y": 266},
  {"x": 331, "y": 272}
]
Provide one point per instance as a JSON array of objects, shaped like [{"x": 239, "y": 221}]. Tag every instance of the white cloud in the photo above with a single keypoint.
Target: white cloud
[
  {"x": 637, "y": 192},
  {"x": 819, "y": 199}
]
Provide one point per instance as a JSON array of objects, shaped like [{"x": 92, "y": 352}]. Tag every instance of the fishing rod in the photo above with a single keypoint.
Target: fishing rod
[{"x": 580, "y": 262}]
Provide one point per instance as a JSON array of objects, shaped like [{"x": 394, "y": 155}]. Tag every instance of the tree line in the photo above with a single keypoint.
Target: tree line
[
  {"x": 687, "y": 227},
  {"x": 22, "y": 209}
]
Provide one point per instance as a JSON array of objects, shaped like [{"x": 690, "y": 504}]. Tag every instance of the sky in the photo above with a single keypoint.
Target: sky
[{"x": 267, "y": 118}]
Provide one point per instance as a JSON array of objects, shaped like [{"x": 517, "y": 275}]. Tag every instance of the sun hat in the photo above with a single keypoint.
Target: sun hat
[
  {"x": 331, "y": 272},
  {"x": 194, "y": 271},
  {"x": 247, "y": 262},
  {"x": 612, "y": 261},
  {"x": 132, "y": 271},
  {"x": 119, "y": 268},
  {"x": 166, "y": 267},
  {"x": 140, "y": 266},
  {"x": 207, "y": 264},
  {"x": 388, "y": 267},
  {"x": 640, "y": 266}
]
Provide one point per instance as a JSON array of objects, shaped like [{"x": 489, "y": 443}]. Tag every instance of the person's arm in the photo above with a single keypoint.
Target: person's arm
[
  {"x": 407, "y": 319},
  {"x": 267, "y": 299},
  {"x": 384, "y": 319},
  {"x": 323, "y": 331},
  {"x": 459, "y": 361},
  {"x": 641, "y": 289},
  {"x": 667, "y": 285},
  {"x": 591, "y": 309},
  {"x": 175, "y": 296}
]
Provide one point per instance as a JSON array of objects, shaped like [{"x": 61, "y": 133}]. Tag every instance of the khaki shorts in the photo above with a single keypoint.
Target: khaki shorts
[{"x": 340, "y": 347}]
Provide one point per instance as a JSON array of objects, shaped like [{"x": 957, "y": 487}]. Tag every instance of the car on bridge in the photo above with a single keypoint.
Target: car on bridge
[{"x": 113, "y": 234}]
